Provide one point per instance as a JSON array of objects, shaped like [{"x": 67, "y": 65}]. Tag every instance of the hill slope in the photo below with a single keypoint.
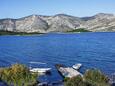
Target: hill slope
[{"x": 58, "y": 23}]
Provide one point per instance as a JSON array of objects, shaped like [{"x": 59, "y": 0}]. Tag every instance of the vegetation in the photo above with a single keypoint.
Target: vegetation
[
  {"x": 17, "y": 33},
  {"x": 92, "y": 77},
  {"x": 18, "y": 75},
  {"x": 80, "y": 30},
  {"x": 75, "y": 81},
  {"x": 96, "y": 78},
  {"x": 34, "y": 33}
]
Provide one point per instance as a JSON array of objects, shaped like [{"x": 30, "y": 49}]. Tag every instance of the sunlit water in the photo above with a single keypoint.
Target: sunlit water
[{"x": 93, "y": 50}]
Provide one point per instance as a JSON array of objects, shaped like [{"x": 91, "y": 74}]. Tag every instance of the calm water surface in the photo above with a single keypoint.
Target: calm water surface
[{"x": 93, "y": 50}]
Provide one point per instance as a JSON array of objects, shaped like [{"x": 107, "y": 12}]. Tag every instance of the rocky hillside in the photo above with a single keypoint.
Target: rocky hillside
[{"x": 58, "y": 23}]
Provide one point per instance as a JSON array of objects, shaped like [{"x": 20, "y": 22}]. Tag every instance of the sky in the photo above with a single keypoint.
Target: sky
[{"x": 80, "y": 8}]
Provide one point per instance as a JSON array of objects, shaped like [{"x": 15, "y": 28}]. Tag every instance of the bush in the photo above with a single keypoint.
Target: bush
[
  {"x": 18, "y": 75},
  {"x": 91, "y": 78},
  {"x": 96, "y": 78},
  {"x": 75, "y": 81}
]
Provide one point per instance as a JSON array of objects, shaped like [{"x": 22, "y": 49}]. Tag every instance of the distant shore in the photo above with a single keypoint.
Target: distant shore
[
  {"x": 18, "y": 33},
  {"x": 2, "y": 33}
]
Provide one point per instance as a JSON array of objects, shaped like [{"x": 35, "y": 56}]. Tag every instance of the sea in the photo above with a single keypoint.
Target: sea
[{"x": 91, "y": 49}]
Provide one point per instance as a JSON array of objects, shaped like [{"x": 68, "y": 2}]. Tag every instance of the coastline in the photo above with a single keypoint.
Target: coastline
[{"x": 5, "y": 33}]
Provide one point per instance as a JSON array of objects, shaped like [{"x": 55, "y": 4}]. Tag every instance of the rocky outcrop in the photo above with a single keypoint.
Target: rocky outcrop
[{"x": 58, "y": 23}]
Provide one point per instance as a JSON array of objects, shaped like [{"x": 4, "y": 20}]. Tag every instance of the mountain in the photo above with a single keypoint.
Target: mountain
[
  {"x": 59, "y": 23},
  {"x": 100, "y": 22}
]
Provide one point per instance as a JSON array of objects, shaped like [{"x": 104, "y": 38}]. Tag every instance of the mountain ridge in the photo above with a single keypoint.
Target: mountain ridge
[{"x": 100, "y": 22}]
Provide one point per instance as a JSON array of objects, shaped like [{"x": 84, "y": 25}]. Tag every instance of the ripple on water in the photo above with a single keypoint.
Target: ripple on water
[{"x": 93, "y": 50}]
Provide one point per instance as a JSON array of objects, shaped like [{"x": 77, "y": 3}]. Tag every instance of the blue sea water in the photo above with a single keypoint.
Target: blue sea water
[{"x": 93, "y": 50}]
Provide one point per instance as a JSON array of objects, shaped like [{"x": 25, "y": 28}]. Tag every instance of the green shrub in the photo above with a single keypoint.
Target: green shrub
[
  {"x": 96, "y": 78},
  {"x": 17, "y": 75},
  {"x": 75, "y": 81},
  {"x": 91, "y": 77}
]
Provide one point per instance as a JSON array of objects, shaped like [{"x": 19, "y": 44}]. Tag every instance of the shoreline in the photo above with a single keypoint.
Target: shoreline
[{"x": 37, "y": 34}]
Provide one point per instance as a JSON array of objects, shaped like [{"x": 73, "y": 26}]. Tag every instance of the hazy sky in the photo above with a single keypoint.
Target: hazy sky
[{"x": 21, "y": 8}]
